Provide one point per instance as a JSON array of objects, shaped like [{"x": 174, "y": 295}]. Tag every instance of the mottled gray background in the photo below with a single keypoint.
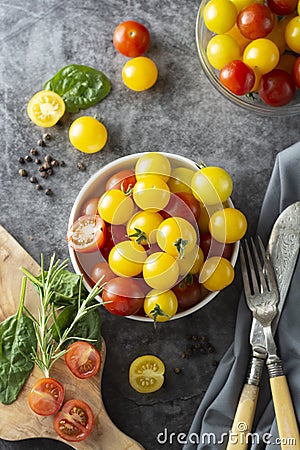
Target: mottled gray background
[{"x": 181, "y": 114}]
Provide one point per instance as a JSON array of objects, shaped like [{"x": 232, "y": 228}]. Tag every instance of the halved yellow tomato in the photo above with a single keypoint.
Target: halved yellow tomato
[
  {"x": 146, "y": 374},
  {"x": 45, "y": 108}
]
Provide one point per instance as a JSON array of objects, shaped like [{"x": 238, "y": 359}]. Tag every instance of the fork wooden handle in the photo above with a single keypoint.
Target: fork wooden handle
[
  {"x": 243, "y": 419},
  {"x": 285, "y": 414}
]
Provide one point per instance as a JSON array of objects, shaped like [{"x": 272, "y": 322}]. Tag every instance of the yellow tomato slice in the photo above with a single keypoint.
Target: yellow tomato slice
[
  {"x": 146, "y": 374},
  {"x": 45, "y": 108}
]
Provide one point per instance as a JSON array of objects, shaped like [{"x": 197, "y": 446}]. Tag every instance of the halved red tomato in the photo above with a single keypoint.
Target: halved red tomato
[
  {"x": 75, "y": 421},
  {"x": 83, "y": 359},
  {"x": 87, "y": 234},
  {"x": 46, "y": 396}
]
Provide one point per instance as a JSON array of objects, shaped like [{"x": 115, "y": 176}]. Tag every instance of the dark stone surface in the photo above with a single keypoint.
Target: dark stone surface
[{"x": 181, "y": 114}]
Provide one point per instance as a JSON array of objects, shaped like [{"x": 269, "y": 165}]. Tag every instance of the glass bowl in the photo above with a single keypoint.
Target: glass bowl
[
  {"x": 94, "y": 187},
  {"x": 254, "y": 104}
]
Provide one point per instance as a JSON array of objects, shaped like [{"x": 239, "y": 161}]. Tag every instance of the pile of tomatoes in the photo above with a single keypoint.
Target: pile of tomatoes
[
  {"x": 160, "y": 237},
  {"x": 256, "y": 47}
]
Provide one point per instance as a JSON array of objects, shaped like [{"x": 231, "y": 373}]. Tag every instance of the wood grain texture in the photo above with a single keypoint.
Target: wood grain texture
[{"x": 23, "y": 423}]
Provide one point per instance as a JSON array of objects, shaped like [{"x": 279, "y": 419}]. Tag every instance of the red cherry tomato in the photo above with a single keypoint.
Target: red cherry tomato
[
  {"x": 83, "y": 359},
  {"x": 296, "y": 72},
  {"x": 124, "y": 180},
  {"x": 90, "y": 207},
  {"x": 282, "y": 7},
  {"x": 87, "y": 234},
  {"x": 131, "y": 38},
  {"x": 114, "y": 235},
  {"x": 102, "y": 271},
  {"x": 276, "y": 88},
  {"x": 75, "y": 421},
  {"x": 255, "y": 21},
  {"x": 182, "y": 204},
  {"x": 46, "y": 396},
  {"x": 124, "y": 295},
  {"x": 211, "y": 247},
  {"x": 188, "y": 292},
  {"x": 237, "y": 77}
]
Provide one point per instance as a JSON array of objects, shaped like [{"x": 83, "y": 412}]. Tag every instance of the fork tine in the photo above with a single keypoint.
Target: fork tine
[
  {"x": 252, "y": 270},
  {"x": 259, "y": 266},
  {"x": 268, "y": 267},
  {"x": 247, "y": 289}
]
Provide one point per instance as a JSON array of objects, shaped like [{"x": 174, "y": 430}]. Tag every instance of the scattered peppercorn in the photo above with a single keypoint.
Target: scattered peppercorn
[
  {"x": 177, "y": 370},
  {"x": 48, "y": 191},
  {"x": 50, "y": 171},
  {"x": 47, "y": 136},
  {"x": 34, "y": 152},
  {"x": 33, "y": 179},
  {"x": 37, "y": 161},
  {"x": 63, "y": 164},
  {"x": 38, "y": 187},
  {"x": 81, "y": 166},
  {"x": 48, "y": 158},
  {"x": 46, "y": 165},
  {"x": 21, "y": 160},
  {"x": 54, "y": 163},
  {"x": 23, "y": 172},
  {"x": 41, "y": 143},
  {"x": 44, "y": 174},
  {"x": 42, "y": 169},
  {"x": 28, "y": 158},
  {"x": 183, "y": 355}
]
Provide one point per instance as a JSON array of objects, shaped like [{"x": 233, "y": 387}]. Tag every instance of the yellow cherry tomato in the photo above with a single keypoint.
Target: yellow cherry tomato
[
  {"x": 292, "y": 34},
  {"x": 161, "y": 271},
  {"x": 126, "y": 259},
  {"x": 115, "y": 207},
  {"x": 241, "y": 4},
  {"x": 160, "y": 306},
  {"x": 45, "y": 108},
  {"x": 146, "y": 374},
  {"x": 142, "y": 227},
  {"x": 205, "y": 215},
  {"x": 151, "y": 193},
  {"x": 221, "y": 49},
  {"x": 239, "y": 37},
  {"x": 262, "y": 55},
  {"x": 153, "y": 163},
  {"x": 176, "y": 236},
  {"x": 212, "y": 185},
  {"x": 87, "y": 134},
  {"x": 181, "y": 179},
  {"x": 139, "y": 74},
  {"x": 192, "y": 262},
  {"x": 228, "y": 225},
  {"x": 216, "y": 273},
  {"x": 219, "y": 15}
]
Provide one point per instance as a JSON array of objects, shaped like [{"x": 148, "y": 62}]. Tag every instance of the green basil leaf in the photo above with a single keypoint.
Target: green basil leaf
[
  {"x": 79, "y": 86},
  {"x": 17, "y": 338}
]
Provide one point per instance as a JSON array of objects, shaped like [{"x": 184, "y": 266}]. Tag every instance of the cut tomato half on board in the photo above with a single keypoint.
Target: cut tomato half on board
[
  {"x": 45, "y": 108},
  {"x": 75, "y": 421},
  {"x": 146, "y": 374},
  {"x": 87, "y": 234},
  {"x": 83, "y": 359},
  {"x": 46, "y": 396}
]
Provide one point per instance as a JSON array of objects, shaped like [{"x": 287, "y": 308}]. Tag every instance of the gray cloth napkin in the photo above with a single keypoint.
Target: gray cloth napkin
[{"x": 216, "y": 411}]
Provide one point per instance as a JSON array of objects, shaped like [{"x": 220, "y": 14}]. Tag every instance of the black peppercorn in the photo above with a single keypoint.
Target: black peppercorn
[
  {"x": 54, "y": 163},
  {"x": 38, "y": 187},
  {"x": 41, "y": 143},
  {"x": 63, "y": 164},
  {"x": 46, "y": 165},
  {"x": 33, "y": 180},
  {"x": 23, "y": 172},
  {"x": 50, "y": 171},
  {"x": 48, "y": 158},
  {"x": 44, "y": 174},
  {"x": 21, "y": 160},
  {"x": 34, "y": 152},
  {"x": 81, "y": 166},
  {"x": 37, "y": 161},
  {"x": 48, "y": 191},
  {"x": 177, "y": 370},
  {"x": 47, "y": 136},
  {"x": 28, "y": 158},
  {"x": 42, "y": 169}
]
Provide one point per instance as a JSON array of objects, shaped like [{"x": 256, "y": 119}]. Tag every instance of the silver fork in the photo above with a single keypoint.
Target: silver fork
[{"x": 262, "y": 297}]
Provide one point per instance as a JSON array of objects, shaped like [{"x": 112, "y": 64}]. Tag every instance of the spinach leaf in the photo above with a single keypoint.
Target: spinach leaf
[
  {"x": 17, "y": 338},
  {"x": 89, "y": 327},
  {"x": 79, "y": 86}
]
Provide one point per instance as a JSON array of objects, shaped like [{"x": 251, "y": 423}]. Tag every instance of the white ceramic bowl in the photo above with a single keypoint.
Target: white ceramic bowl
[{"x": 95, "y": 186}]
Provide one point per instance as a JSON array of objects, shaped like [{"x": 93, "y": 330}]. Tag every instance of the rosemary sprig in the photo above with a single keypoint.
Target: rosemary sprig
[{"x": 49, "y": 350}]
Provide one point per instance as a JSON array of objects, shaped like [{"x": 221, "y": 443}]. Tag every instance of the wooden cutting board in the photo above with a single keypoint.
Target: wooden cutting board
[{"x": 23, "y": 423}]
